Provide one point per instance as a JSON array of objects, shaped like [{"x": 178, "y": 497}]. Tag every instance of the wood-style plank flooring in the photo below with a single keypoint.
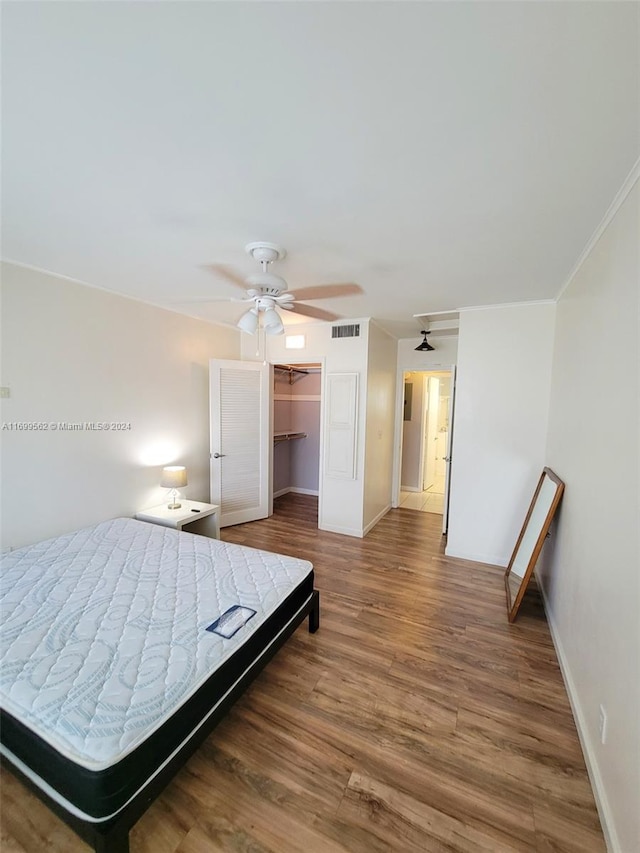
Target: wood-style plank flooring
[{"x": 415, "y": 719}]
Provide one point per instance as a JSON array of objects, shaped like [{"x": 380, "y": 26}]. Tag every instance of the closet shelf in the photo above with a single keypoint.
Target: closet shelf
[
  {"x": 288, "y": 436},
  {"x": 290, "y": 369}
]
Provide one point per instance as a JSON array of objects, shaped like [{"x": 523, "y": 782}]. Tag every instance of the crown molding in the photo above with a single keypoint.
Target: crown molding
[
  {"x": 523, "y": 304},
  {"x": 117, "y": 294},
  {"x": 44, "y": 271},
  {"x": 615, "y": 205}
]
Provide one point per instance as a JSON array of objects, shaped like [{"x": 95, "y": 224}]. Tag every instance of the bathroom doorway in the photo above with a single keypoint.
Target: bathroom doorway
[{"x": 425, "y": 440}]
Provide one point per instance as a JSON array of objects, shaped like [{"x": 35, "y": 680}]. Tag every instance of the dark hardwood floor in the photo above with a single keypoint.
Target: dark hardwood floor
[{"x": 415, "y": 719}]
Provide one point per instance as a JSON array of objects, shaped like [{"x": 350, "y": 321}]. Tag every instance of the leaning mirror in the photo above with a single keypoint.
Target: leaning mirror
[{"x": 534, "y": 530}]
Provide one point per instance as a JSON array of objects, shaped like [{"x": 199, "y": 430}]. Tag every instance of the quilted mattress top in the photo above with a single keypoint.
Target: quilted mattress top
[{"x": 103, "y": 631}]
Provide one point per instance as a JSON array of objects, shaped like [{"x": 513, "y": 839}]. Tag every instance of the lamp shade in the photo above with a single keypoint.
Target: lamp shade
[
  {"x": 249, "y": 321},
  {"x": 174, "y": 477},
  {"x": 272, "y": 322}
]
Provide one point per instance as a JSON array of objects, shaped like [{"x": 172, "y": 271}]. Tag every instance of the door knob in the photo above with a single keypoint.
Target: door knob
[{"x": 218, "y": 455}]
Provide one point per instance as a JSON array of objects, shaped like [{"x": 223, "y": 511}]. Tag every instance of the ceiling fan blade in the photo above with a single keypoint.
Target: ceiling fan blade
[
  {"x": 228, "y": 273},
  {"x": 206, "y": 299},
  {"x": 328, "y": 291},
  {"x": 311, "y": 311}
]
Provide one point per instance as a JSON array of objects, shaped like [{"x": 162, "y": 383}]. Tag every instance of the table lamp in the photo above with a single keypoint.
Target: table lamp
[{"x": 174, "y": 477}]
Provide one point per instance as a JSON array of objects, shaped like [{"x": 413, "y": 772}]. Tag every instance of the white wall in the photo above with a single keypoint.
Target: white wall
[
  {"x": 441, "y": 358},
  {"x": 591, "y": 578},
  {"x": 500, "y": 426},
  {"x": 72, "y": 353},
  {"x": 380, "y": 424}
]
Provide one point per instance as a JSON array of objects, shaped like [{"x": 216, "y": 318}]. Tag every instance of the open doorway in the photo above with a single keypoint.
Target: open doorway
[
  {"x": 297, "y": 398},
  {"x": 425, "y": 440}
]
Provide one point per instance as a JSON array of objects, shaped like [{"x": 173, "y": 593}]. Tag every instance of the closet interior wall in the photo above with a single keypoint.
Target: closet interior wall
[{"x": 296, "y": 429}]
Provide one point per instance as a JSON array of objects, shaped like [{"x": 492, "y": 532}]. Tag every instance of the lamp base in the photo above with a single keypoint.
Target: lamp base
[{"x": 174, "y": 506}]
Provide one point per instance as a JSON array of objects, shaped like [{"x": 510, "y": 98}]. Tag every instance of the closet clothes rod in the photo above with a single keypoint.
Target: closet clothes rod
[
  {"x": 287, "y": 436},
  {"x": 290, "y": 369}
]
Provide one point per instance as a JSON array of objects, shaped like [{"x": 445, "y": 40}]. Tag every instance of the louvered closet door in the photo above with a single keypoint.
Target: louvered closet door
[{"x": 240, "y": 439}]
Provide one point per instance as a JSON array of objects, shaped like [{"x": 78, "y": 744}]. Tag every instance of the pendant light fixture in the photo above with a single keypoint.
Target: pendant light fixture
[{"x": 424, "y": 346}]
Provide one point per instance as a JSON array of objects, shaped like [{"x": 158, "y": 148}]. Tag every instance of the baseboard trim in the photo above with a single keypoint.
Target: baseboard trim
[
  {"x": 345, "y": 531},
  {"x": 491, "y": 559},
  {"x": 296, "y": 491},
  {"x": 373, "y": 523},
  {"x": 597, "y": 786}
]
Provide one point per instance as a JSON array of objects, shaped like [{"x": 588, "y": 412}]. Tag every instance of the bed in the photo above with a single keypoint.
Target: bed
[{"x": 122, "y": 645}]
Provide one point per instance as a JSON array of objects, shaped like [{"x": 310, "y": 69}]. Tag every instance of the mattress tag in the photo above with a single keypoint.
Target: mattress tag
[{"x": 231, "y": 621}]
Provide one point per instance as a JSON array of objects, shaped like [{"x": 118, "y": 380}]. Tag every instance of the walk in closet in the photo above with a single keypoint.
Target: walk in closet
[{"x": 296, "y": 428}]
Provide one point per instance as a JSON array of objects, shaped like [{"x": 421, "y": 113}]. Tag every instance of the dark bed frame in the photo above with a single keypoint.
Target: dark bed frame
[{"x": 112, "y": 835}]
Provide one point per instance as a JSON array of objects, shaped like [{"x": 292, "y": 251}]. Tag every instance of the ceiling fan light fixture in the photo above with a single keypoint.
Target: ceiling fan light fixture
[
  {"x": 272, "y": 323},
  {"x": 249, "y": 321},
  {"x": 424, "y": 345}
]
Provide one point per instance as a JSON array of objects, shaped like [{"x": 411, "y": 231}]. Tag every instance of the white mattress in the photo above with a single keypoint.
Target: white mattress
[{"x": 102, "y": 633}]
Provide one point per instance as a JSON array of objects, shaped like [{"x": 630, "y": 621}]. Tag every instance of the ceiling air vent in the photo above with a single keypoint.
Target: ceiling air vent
[{"x": 350, "y": 331}]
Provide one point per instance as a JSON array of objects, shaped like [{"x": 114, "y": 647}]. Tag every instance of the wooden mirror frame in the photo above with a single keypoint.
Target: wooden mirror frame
[{"x": 535, "y": 525}]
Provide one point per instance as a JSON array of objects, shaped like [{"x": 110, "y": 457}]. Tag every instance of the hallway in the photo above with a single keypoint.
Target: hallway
[{"x": 431, "y": 500}]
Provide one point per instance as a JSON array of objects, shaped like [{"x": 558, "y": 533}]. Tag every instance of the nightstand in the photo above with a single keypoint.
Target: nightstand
[{"x": 193, "y": 516}]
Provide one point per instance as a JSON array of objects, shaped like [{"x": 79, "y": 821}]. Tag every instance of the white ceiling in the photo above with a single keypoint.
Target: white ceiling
[{"x": 439, "y": 154}]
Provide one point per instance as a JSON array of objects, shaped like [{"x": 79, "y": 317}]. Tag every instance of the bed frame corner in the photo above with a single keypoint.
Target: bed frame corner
[{"x": 314, "y": 612}]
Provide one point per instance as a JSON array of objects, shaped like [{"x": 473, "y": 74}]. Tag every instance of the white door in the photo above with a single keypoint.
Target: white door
[
  {"x": 447, "y": 458},
  {"x": 240, "y": 421},
  {"x": 432, "y": 398}
]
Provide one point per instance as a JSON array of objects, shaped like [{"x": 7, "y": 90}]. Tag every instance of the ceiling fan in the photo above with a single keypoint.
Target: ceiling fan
[{"x": 268, "y": 291}]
